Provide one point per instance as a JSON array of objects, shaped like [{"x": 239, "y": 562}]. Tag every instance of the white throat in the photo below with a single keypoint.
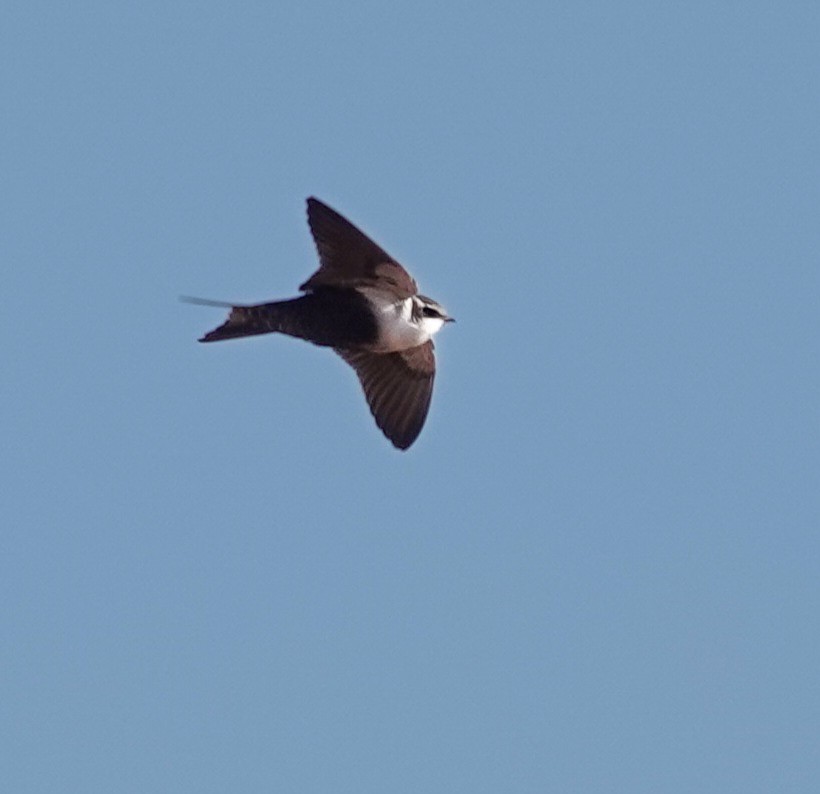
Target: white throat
[{"x": 397, "y": 328}]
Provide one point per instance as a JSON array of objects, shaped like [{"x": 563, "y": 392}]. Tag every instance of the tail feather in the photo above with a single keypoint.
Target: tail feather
[
  {"x": 245, "y": 321},
  {"x": 206, "y": 302},
  {"x": 329, "y": 318}
]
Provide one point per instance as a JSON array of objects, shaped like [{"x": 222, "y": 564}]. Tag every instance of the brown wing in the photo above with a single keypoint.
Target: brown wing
[
  {"x": 349, "y": 258},
  {"x": 398, "y": 387}
]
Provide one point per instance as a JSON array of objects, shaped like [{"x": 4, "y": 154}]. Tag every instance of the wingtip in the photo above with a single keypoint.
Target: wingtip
[{"x": 402, "y": 444}]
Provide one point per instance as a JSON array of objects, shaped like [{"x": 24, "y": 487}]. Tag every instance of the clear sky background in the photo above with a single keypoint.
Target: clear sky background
[{"x": 598, "y": 569}]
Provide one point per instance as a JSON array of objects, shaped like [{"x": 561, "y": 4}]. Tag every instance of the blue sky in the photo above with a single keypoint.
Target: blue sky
[{"x": 597, "y": 569}]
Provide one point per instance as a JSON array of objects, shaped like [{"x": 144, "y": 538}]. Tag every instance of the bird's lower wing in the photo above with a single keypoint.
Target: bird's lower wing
[{"x": 398, "y": 387}]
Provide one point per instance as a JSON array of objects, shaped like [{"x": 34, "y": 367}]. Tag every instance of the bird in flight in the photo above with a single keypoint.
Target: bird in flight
[{"x": 362, "y": 303}]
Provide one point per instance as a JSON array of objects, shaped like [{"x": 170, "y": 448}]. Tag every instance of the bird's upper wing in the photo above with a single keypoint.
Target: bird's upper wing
[
  {"x": 349, "y": 258},
  {"x": 398, "y": 387}
]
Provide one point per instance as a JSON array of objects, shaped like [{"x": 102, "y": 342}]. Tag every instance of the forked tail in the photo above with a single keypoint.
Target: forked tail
[
  {"x": 326, "y": 317},
  {"x": 243, "y": 320}
]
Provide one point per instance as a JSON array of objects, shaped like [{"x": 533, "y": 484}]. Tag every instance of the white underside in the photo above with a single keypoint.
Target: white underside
[{"x": 397, "y": 331}]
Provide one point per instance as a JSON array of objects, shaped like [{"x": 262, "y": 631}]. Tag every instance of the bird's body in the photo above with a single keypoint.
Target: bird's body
[{"x": 364, "y": 305}]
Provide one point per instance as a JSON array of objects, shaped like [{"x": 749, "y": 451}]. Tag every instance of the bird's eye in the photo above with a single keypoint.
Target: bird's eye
[{"x": 429, "y": 311}]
